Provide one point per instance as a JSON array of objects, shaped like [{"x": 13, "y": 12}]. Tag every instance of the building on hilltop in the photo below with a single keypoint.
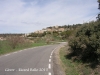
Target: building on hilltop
[{"x": 61, "y": 29}]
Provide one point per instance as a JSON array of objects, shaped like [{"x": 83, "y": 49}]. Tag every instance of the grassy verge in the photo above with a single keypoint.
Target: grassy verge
[
  {"x": 76, "y": 68},
  {"x": 69, "y": 67},
  {"x": 6, "y": 48}
]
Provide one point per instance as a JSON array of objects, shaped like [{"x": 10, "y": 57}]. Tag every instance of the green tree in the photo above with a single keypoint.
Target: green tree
[
  {"x": 98, "y": 0},
  {"x": 85, "y": 45}
]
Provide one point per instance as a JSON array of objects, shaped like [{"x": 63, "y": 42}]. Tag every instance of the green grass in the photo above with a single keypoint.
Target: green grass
[
  {"x": 39, "y": 44},
  {"x": 6, "y": 48},
  {"x": 70, "y": 68},
  {"x": 75, "y": 67}
]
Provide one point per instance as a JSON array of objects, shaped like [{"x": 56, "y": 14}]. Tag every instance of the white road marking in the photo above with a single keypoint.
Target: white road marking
[
  {"x": 49, "y": 66},
  {"x": 53, "y": 51},
  {"x": 49, "y": 60},
  {"x": 15, "y": 52},
  {"x": 7, "y": 54},
  {"x": 50, "y": 56},
  {"x": 49, "y": 73}
]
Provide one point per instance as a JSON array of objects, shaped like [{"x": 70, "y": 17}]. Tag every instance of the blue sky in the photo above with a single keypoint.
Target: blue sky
[{"x": 25, "y": 16}]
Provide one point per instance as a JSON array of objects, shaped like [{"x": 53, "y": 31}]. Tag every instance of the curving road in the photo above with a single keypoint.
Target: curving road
[{"x": 32, "y": 61}]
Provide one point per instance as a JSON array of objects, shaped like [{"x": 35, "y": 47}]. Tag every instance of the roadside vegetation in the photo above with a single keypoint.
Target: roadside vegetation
[
  {"x": 82, "y": 55},
  {"x": 69, "y": 67},
  {"x": 54, "y": 34},
  {"x": 85, "y": 44},
  {"x": 14, "y": 43},
  {"x": 76, "y": 67}
]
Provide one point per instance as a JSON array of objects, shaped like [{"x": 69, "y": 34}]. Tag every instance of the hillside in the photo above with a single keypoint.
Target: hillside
[
  {"x": 58, "y": 28},
  {"x": 55, "y": 32}
]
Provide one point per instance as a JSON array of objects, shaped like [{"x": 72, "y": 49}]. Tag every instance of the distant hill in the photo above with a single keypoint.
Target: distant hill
[
  {"x": 58, "y": 28},
  {"x": 55, "y": 32},
  {"x": 10, "y": 34}
]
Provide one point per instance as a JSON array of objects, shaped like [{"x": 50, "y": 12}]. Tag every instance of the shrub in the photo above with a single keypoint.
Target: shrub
[
  {"x": 14, "y": 41},
  {"x": 85, "y": 44}
]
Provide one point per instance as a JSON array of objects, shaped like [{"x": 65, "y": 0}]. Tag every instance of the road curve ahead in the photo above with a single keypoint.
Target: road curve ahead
[{"x": 33, "y": 61}]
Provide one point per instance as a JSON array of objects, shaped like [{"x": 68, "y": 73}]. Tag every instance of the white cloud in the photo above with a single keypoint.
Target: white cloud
[{"x": 30, "y": 15}]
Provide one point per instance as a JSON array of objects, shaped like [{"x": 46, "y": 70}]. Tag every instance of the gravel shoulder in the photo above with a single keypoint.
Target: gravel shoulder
[{"x": 58, "y": 69}]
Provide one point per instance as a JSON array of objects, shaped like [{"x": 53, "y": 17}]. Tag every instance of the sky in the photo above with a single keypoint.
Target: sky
[{"x": 26, "y": 16}]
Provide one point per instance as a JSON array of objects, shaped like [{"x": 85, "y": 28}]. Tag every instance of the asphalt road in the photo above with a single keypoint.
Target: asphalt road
[{"x": 33, "y": 61}]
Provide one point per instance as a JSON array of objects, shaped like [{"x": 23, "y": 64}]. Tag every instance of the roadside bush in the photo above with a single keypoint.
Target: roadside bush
[
  {"x": 17, "y": 41},
  {"x": 85, "y": 44}
]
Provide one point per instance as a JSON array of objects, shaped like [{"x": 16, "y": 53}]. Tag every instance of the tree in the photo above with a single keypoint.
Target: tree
[
  {"x": 15, "y": 40},
  {"x": 85, "y": 45},
  {"x": 98, "y": 0},
  {"x": 98, "y": 17}
]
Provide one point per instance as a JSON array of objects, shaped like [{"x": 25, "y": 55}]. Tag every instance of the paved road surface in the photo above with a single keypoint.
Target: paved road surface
[{"x": 33, "y": 61}]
